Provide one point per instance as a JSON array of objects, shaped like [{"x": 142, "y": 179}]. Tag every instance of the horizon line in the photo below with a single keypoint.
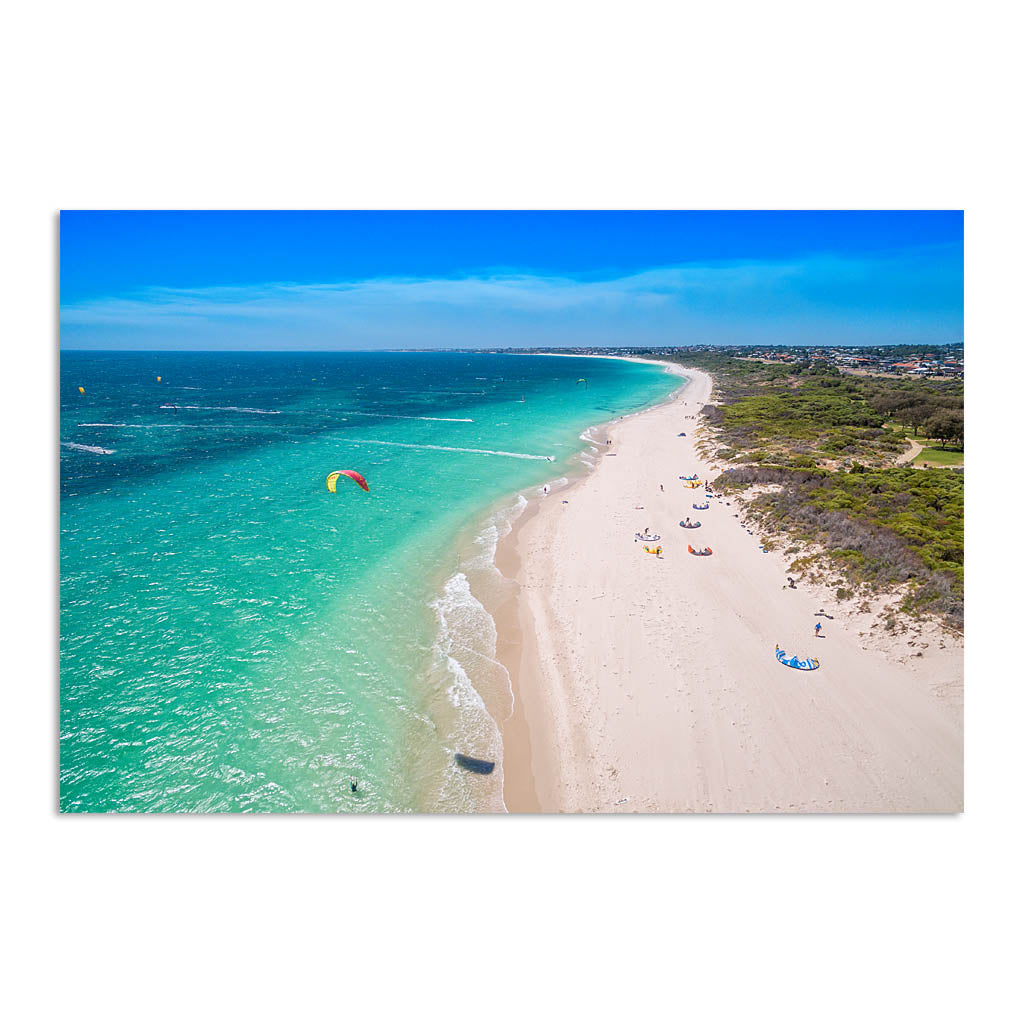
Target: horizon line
[{"x": 493, "y": 351}]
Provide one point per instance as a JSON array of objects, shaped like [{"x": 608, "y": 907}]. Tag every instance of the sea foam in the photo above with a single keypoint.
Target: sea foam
[{"x": 465, "y": 646}]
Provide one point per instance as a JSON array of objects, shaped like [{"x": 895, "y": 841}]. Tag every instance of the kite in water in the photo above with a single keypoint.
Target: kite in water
[
  {"x": 332, "y": 479},
  {"x": 81, "y": 390},
  {"x": 583, "y": 381}
]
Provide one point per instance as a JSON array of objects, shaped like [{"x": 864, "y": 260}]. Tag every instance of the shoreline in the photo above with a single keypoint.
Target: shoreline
[
  {"x": 500, "y": 600},
  {"x": 529, "y": 737},
  {"x": 644, "y": 684},
  {"x": 526, "y": 737}
]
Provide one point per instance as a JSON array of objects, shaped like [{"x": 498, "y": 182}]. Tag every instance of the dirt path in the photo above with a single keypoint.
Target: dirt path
[{"x": 915, "y": 450}]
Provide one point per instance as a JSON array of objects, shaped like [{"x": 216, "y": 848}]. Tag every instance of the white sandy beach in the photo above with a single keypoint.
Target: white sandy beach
[{"x": 651, "y": 684}]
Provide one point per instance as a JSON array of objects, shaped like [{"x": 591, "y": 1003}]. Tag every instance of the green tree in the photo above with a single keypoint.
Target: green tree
[
  {"x": 917, "y": 414},
  {"x": 946, "y": 426}
]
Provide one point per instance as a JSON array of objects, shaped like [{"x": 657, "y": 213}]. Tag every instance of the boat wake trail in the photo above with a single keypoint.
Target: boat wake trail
[
  {"x": 223, "y": 408},
  {"x": 95, "y": 449},
  {"x": 175, "y": 426},
  {"x": 445, "y": 448},
  {"x": 398, "y": 416}
]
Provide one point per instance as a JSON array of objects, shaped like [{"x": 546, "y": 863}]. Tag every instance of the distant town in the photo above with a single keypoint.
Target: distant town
[{"x": 883, "y": 360}]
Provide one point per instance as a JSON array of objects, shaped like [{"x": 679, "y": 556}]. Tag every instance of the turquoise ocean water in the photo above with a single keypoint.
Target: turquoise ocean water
[{"x": 235, "y": 638}]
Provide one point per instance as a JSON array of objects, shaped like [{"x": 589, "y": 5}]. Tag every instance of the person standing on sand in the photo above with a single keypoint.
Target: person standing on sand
[
  {"x": 662, "y": 486},
  {"x": 817, "y": 629}
]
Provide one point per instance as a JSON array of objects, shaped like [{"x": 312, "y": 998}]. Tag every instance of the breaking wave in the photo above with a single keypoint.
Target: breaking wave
[{"x": 465, "y": 646}]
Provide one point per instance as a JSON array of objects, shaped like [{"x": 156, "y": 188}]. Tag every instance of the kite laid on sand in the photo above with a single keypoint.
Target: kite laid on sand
[{"x": 805, "y": 665}]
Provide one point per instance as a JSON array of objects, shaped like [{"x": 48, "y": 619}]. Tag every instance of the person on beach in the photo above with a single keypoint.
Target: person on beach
[
  {"x": 817, "y": 629},
  {"x": 662, "y": 486}
]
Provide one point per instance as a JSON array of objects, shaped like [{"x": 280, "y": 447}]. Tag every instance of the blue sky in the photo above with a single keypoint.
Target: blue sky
[{"x": 307, "y": 280}]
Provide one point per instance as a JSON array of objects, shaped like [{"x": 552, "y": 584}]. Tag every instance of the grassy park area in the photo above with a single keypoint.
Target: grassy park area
[{"x": 935, "y": 455}]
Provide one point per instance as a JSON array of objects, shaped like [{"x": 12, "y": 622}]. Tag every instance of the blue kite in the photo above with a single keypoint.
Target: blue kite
[{"x": 805, "y": 665}]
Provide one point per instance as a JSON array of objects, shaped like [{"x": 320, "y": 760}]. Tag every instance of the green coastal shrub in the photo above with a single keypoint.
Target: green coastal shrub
[{"x": 885, "y": 525}]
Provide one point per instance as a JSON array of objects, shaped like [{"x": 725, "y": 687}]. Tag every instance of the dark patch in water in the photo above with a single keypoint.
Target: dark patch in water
[{"x": 474, "y": 764}]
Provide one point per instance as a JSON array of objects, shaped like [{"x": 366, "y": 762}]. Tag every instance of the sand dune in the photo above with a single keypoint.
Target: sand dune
[{"x": 650, "y": 684}]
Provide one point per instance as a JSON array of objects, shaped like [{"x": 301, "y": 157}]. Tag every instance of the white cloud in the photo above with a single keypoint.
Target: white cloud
[{"x": 724, "y": 302}]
